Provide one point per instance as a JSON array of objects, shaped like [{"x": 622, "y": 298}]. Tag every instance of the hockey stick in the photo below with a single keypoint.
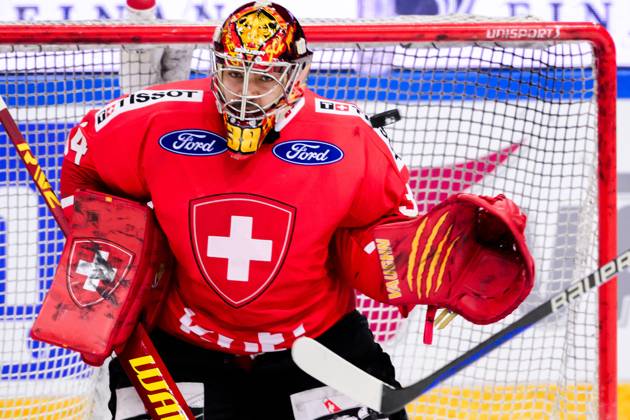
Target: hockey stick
[
  {"x": 139, "y": 358},
  {"x": 327, "y": 367}
]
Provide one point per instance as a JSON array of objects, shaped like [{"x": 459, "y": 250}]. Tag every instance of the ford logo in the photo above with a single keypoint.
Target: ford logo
[
  {"x": 308, "y": 152},
  {"x": 193, "y": 143}
]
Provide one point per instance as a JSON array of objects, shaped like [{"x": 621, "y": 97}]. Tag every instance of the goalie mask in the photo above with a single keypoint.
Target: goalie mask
[{"x": 260, "y": 65}]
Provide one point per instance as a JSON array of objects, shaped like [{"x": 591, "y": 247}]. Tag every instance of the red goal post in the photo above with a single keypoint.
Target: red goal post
[{"x": 526, "y": 108}]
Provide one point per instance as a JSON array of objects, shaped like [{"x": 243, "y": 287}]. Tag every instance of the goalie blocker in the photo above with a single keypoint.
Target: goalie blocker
[
  {"x": 467, "y": 255},
  {"x": 114, "y": 269}
]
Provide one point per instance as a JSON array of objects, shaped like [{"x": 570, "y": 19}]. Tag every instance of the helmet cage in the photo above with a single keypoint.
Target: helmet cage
[{"x": 242, "y": 107}]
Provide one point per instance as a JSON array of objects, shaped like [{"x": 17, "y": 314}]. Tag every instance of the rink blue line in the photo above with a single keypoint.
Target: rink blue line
[{"x": 403, "y": 86}]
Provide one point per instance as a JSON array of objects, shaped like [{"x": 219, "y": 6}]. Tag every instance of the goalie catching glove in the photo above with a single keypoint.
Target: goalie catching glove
[
  {"x": 467, "y": 255},
  {"x": 115, "y": 265}
]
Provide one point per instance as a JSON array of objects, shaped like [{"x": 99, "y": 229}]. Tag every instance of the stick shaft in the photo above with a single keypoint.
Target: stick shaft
[
  {"x": 32, "y": 166},
  {"x": 139, "y": 351},
  {"x": 393, "y": 399}
]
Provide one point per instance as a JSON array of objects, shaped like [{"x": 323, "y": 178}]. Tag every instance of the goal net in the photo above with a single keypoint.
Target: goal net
[{"x": 520, "y": 108}]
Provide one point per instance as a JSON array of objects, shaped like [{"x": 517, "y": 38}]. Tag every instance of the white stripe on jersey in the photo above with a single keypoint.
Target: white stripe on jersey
[{"x": 399, "y": 163}]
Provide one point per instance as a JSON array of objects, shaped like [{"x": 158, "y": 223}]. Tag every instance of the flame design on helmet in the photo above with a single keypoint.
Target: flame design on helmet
[
  {"x": 262, "y": 31},
  {"x": 256, "y": 28}
]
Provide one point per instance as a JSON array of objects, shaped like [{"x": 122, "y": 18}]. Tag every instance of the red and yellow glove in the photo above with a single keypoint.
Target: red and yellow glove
[{"x": 467, "y": 255}]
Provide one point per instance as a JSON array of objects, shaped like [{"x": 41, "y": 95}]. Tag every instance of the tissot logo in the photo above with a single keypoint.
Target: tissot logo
[
  {"x": 143, "y": 99},
  {"x": 308, "y": 152},
  {"x": 193, "y": 143}
]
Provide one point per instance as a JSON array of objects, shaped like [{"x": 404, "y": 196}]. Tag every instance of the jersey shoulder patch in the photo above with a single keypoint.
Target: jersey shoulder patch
[
  {"x": 141, "y": 99},
  {"x": 327, "y": 106}
]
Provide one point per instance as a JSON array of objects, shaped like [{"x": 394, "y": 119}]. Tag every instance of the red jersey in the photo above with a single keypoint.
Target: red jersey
[{"x": 251, "y": 237}]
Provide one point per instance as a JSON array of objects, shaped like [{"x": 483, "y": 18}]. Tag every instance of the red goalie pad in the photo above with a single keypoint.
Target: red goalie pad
[
  {"x": 115, "y": 264},
  {"x": 468, "y": 255}
]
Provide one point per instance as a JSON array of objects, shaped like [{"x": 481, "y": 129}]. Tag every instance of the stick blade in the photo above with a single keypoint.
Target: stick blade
[{"x": 327, "y": 367}]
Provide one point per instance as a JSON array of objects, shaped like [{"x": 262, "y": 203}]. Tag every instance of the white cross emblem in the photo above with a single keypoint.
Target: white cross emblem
[
  {"x": 239, "y": 248},
  {"x": 96, "y": 271}
]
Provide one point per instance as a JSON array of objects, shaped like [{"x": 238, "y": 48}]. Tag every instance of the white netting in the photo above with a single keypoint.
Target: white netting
[{"x": 484, "y": 118}]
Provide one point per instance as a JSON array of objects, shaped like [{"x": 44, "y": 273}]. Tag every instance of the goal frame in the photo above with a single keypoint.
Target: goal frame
[{"x": 403, "y": 32}]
